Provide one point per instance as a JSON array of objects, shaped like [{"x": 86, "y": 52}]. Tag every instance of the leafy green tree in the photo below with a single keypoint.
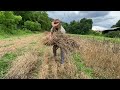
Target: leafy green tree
[
  {"x": 79, "y": 27},
  {"x": 117, "y": 24},
  {"x": 39, "y": 16},
  {"x": 8, "y": 19},
  {"x": 33, "y": 26}
]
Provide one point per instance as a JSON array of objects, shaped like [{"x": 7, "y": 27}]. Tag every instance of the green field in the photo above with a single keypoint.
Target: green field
[{"x": 99, "y": 38}]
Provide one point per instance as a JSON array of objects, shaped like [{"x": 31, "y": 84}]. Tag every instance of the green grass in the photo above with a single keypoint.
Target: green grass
[
  {"x": 13, "y": 37},
  {"x": 33, "y": 42},
  {"x": 7, "y": 45},
  {"x": 15, "y": 34},
  {"x": 5, "y": 62},
  {"x": 98, "y": 38},
  {"x": 81, "y": 66},
  {"x": 9, "y": 37}
]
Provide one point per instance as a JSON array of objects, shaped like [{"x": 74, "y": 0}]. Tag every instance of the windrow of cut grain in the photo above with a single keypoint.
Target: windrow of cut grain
[
  {"x": 22, "y": 66},
  {"x": 63, "y": 41}
]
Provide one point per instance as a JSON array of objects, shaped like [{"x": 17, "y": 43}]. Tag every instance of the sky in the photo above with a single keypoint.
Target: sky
[{"x": 103, "y": 19}]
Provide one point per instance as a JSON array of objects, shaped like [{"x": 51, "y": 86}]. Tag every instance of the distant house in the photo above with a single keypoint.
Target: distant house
[
  {"x": 105, "y": 30},
  {"x": 98, "y": 28},
  {"x": 111, "y": 29}
]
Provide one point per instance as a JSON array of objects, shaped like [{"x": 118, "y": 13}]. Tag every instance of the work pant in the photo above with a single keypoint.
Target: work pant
[{"x": 55, "y": 47}]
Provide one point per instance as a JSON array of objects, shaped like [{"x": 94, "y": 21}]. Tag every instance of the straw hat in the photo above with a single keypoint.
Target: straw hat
[{"x": 55, "y": 22}]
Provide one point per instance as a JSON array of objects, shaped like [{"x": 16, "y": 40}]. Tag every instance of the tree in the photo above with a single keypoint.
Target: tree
[
  {"x": 8, "y": 19},
  {"x": 86, "y": 25},
  {"x": 65, "y": 25},
  {"x": 35, "y": 16},
  {"x": 33, "y": 26},
  {"x": 117, "y": 24},
  {"x": 80, "y": 27}
]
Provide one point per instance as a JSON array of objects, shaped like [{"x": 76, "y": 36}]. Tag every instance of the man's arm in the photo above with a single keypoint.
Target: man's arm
[
  {"x": 51, "y": 30},
  {"x": 63, "y": 30}
]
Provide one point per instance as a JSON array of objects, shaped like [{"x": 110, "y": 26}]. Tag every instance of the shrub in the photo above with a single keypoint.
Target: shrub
[
  {"x": 33, "y": 26},
  {"x": 8, "y": 31},
  {"x": 9, "y": 20},
  {"x": 94, "y": 33},
  {"x": 113, "y": 34}
]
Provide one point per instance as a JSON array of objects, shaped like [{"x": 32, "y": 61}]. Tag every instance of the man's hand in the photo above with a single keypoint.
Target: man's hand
[{"x": 51, "y": 33}]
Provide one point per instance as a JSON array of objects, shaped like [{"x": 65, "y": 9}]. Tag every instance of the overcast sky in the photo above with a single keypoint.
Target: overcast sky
[{"x": 100, "y": 18}]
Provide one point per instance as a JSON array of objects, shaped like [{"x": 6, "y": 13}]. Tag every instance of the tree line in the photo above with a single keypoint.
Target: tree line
[
  {"x": 84, "y": 26},
  {"x": 24, "y": 20},
  {"x": 79, "y": 27},
  {"x": 12, "y": 21}
]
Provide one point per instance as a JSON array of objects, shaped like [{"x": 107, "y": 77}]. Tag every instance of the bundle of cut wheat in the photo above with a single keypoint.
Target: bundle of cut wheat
[
  {"x": 63, "y": 41},
  {"x": 48, "y": 39}
]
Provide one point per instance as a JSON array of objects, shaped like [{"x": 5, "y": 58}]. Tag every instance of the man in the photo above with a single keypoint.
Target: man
[{"x": 57, "y": 27}]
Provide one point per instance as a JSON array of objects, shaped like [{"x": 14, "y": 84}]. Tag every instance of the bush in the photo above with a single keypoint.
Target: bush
[
  {"x": 26, "y": 30},
  {"x": 33, "y": 26},
  {"x": 7, "y": 31},
  {"x": 113, "y": 34},
  {"x": 94, "y": 33},
  {"x": 9, "y": 20},
  {"x": 22, "y": 32}
]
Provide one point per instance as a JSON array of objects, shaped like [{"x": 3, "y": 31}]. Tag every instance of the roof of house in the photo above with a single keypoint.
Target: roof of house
[
  {"x": 97, "y": 28},
  {"x": 111, "y": 28}
]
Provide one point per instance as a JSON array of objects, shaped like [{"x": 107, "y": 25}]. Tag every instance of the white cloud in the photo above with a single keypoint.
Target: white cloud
[
  {"x": 100, "y": 18},
  {"x": 98, "y": 28}
]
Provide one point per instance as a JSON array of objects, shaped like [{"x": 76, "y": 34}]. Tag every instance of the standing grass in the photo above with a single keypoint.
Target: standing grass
[
  {"x": 102, "y": 56},
  {"x": 98, "y": 38},
  {"x": 15, "y": 34}
]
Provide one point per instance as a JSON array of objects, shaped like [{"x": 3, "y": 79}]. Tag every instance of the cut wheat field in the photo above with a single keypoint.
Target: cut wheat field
[{"x": 27, "y": 58}]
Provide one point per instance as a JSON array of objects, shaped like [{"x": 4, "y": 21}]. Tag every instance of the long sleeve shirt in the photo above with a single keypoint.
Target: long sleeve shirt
[{"x": 62, "y": 30}]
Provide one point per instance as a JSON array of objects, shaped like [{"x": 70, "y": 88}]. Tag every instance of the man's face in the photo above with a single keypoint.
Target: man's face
[
  {"x": 57, "y": 26},
  {"x": 57, "y": 22}
]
